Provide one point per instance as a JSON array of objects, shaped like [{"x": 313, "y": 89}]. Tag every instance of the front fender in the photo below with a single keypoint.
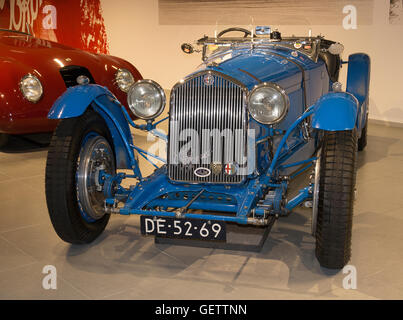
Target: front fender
[
  {"x": 76, "y": 100},
  {"x": 335, "y": 111}
]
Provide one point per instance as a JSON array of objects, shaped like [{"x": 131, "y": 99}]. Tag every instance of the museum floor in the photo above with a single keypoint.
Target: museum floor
[{"x": 122, "y": 264}]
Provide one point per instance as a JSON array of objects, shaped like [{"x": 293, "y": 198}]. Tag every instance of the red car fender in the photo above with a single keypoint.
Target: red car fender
[{"x": 22, "y": 54}]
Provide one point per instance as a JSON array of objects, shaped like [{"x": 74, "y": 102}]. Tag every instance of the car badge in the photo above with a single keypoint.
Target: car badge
[
  {"x": 208, "y": 80},
  {"x": 297, "y": 45},
  {"x": 230, "y": 169},
  {"x": 216, "y": 168},
  {"x": 294, "y": 54},
  {"x": 202, "y": 172}
]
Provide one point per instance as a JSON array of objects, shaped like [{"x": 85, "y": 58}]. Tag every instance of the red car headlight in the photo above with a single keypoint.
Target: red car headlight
[
  {"x": 124, "y": 79},
  {"x": 31, "y": 88}
]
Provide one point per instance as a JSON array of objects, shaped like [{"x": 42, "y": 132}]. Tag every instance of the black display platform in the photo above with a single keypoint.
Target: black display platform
[{"x": 239, "y": 238}]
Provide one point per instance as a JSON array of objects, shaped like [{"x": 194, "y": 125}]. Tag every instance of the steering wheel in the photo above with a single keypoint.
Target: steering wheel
[{"x": 247, "y": 32}]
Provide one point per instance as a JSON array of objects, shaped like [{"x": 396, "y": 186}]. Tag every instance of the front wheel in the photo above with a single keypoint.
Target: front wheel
[
  {"x": 79, "y": 152},
  {"x": 334, "y": 198}
]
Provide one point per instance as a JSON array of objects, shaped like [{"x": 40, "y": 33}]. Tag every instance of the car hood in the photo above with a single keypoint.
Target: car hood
[
  {"x": 41, "y": 54},
  {"x": 252, "y": 67}
]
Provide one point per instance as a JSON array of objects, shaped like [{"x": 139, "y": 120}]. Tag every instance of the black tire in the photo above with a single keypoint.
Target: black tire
[
  {"x": 60, "y": 180},
  {"x": 3, "y": 139},
  {"x": 362, "y": 142},
  {"x": 336, "y": 199}
]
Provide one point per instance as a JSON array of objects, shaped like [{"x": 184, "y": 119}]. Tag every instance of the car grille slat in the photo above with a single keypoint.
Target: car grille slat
[{"x": 197, "y": 106}]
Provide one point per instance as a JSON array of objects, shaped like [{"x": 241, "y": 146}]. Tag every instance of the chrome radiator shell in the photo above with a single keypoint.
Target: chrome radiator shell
[{"x": 220, "y": 110}]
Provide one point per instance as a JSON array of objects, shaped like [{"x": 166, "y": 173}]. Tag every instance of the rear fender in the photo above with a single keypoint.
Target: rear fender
[
  {"x": 76, "y": 100},
  {"x": 358, "y": 80},
  {"x": 335, "y": 111}
]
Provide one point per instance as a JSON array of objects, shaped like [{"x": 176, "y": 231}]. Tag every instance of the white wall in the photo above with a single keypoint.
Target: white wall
[{"x": 135, "y": 34}]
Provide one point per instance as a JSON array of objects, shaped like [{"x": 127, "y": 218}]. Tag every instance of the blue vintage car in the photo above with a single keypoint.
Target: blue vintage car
[{"x": 262, "y": 109}]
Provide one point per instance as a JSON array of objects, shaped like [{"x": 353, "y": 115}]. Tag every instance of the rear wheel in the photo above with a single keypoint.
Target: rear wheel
[
  {"x": 336, "y": 175},
  {"x": 79, "y": 151}
]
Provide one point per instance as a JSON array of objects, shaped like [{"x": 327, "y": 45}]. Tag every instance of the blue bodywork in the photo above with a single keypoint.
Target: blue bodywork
[
  {"x": 295, "y": 139},
  {"x": 359, "y": 67},
  {"x": 104, "y": 102},
  {"x": 335, "y": 112}
]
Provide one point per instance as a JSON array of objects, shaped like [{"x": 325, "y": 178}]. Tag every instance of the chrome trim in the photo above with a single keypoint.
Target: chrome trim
[
  {"x": 161, "y": 91},
  {"x": 280, "y": 90},
  {"x": 199, "y": 73},
  {"x": 192, "y": 104},
  {"x": 95, "y": 155},
  {"x": 261, "y": 43},
  {"x": 29, "y": 75},
  {"x": 15, "y": 31}
]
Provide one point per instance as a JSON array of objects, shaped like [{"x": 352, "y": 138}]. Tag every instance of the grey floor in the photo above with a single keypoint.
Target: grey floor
[{"x": 122, "y": 264}]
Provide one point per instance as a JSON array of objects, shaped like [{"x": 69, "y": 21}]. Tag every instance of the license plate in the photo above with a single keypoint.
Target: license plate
[{"x": 183, "y": 228}]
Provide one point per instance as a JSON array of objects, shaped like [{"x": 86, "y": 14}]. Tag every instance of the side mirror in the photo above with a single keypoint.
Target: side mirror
[
  {"x": 336, "y": 48},
  {"x": 187, "y": 48}
]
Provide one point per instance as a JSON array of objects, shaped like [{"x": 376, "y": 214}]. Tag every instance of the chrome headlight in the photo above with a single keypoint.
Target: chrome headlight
[
  {"x": 146, "y": 99},
  {"x": 124, "y": 79},
  {"x": 31, "y": 88},
  {"x": 268, "y": 103}
]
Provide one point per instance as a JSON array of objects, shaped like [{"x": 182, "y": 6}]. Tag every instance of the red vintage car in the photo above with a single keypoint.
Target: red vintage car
[{"x": 34, "y": 72}]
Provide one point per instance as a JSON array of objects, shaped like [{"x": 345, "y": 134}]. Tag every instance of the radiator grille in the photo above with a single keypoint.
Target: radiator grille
[
  {"x": 208, "y": 125},
  {"x": 70, "y": 74}
]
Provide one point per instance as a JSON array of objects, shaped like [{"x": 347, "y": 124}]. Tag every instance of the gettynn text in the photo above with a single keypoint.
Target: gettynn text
[{"x": 209, "y": 309}]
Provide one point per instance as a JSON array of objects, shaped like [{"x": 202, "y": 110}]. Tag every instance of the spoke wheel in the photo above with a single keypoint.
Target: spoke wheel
[
  {"x": 80, "y": 150},
  {"x": 96, "y": 156}
]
